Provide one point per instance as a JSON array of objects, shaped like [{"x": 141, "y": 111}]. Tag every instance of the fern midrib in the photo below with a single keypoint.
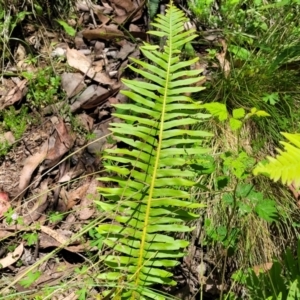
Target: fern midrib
[{"x": 160, "y": 137}]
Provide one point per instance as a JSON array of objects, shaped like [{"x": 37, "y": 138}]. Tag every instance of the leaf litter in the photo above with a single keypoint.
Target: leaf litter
[{"x": 48, "y": 179}]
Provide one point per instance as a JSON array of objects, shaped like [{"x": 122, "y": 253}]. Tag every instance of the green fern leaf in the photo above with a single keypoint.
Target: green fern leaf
[
  {"x": 153, "y": 7},
  {"x": 148, "y": 197},
  {"x": 286, "y": 165}
]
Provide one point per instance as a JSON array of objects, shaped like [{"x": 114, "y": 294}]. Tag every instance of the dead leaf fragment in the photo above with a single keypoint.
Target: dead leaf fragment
[
  {"x": 127, "y": 10},
  {"x": 71, "y": 296},
  {"x": 7, "y": 137},
  {"x": 85, "y": 121},
  {"x": 294, "y": 188},
  {"x": 126, "y": 50},
  {"x": 46, "y": 241},
  {"x": 92, "y": 96},
  {"x": 12, "y": 257},
  {"x": 54, "y": 234},
  {"x": 60, "y": 144},
  {"x": 99, "y": 141},
  {"x": 75, "y": 196},
  {"x": 4, "y": 203},
  {"x": 79, "y": 61},
  {"x": 262, "y": 268},
  {"x": 39, "y": 206},
  {"x": 14, "y": 95},
  {"x": 87, "y": 208},
  {"x": 72, "y": 83},
  {"x": 109, "y": 32},
  {"x": 30, "y": 164},
  {"x": 224, "y": 63}
]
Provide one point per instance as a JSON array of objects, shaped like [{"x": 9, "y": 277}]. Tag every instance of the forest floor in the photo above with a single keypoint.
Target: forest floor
[{"x": 60, "y": 80}]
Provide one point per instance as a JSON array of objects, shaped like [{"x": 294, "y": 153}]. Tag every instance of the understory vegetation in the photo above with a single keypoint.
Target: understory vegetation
[{"x": 197, "y": 171}]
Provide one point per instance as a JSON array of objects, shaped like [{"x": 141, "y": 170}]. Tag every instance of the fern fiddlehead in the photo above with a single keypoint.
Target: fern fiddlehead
[{"x": 148, "y": 198}]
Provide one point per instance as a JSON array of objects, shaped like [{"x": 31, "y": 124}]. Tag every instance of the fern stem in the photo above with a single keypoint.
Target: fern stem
[{"x": 160, "y": 138}]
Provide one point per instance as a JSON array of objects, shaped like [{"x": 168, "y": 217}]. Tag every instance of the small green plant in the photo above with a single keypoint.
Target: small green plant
[
  {"x": 12, "y": 218},
  {"x": 31, "y": 238},
  {"x": 31, "y": 277},
  {"x": 272, "y": 98},
  {"x": 14, "y": 121},
  {"x": 43, "y": 88},
  {"x": 55, "y": 217}
]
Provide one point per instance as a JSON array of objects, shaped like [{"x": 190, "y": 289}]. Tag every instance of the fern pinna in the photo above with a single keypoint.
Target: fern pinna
[
  {"x": 148, "y": 199},
  {"x": 286, "y": 165}
]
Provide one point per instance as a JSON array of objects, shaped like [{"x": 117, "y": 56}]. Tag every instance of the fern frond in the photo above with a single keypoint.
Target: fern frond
[
  {"x": 148, "y": 198},
  {"x": 153, "y": 7},
  {"x": 286, "y": 165}
]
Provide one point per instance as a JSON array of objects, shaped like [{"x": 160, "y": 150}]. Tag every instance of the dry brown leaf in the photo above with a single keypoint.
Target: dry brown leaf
[
  {"x": 4, "y": 234},
  {"x": 64, "y": 134},
  {"x": 126, "y": 50},
  {"x": 54, "y": 234},
  {"x": 4, "y": 203},
  {"x": 7, "y": 137},
  {"x": 46, "y": 241},
  {"x": 75, "y": 172},
  {"x": 97, "y": 101},
  {"x": 14, "y": 95},
  {"x": 80, "y": 62},
  {"x": 12, "y": 257},
  {"x": 72, "y": 296},
  {"x": 39, "y": 206},
  {"x": 85, "y": 121},
  {"x": 72, "y": 83},
  {"x": 127, "y": 10},
  {"x": 123, "y": 7},
  {"x": 109, "y": 32},
  {"x": 100, "y": 138},
  {"x": 75, "y": 196},
  {"x": 92, "y": 96},
  {"x": 30, "y": 164},
  {"x": 79, "y": 42},
  {"x": 87, "y": 208},
  {"x": 224, "y": 63},
  {"x": 63, "y": 142},
  {"x": 103, "y": 18},
  {"x": 262, "y": 268},
  {"x": 62, "y": 200},
  {"x": 4, "y": 196},
  {"x": 295, "y": 190},
  {"x": 99, "y": 65}
]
